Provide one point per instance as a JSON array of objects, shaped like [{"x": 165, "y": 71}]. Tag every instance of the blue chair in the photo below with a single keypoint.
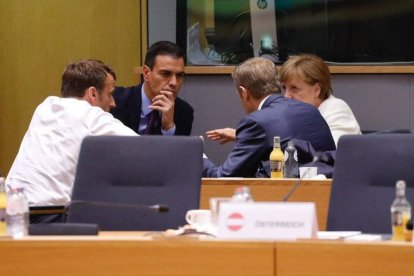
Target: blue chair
[
  {"x": 363, "y": 186},
  {"x": 119, "y": 179}
]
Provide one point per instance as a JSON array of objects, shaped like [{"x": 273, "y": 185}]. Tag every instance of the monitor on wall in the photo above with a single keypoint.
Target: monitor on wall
[{"x": 343, "y": 31}]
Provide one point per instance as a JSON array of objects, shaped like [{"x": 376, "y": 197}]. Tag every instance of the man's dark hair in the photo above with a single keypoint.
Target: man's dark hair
[
  {"x": 79, "y": 76},
  {"x": 162, "y": 48}
]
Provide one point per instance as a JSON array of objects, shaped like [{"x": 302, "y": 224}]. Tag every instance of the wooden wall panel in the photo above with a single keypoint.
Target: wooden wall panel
[{"x": 38, "y": 38}]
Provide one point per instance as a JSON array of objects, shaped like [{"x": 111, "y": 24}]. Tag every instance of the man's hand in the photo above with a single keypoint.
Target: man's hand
[
  {"x": 224, "y": 135},
  {"x": 164, "y": 102}
]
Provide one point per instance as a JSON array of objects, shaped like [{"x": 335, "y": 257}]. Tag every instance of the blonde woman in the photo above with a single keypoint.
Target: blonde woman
[{"x": 306, "y": 78}]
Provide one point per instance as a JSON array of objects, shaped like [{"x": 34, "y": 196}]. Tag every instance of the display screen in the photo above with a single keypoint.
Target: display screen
[{"x": 340, "y": 31}]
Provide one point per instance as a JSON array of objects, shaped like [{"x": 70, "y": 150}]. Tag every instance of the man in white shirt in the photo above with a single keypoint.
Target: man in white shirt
[{"x": 45, "y": 165}]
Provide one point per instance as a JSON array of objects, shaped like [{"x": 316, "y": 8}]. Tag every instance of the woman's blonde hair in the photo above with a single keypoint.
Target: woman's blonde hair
[{"x": 312, "y": 69}]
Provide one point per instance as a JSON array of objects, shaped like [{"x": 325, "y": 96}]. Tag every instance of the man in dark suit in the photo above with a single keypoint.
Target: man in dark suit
[
  {"x": 269, "y": 114},
  {"x": 153, "y": 107}
]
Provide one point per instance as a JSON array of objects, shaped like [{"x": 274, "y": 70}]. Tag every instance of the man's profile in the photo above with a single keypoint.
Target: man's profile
[{"x": 45, "y": 165}]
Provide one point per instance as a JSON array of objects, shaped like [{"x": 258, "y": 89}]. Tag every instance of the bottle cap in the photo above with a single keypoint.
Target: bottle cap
[
  {"x": 276, "y": 141},
  {"x": 245, "y": 189},
  {"x": 400, "y": 184}
]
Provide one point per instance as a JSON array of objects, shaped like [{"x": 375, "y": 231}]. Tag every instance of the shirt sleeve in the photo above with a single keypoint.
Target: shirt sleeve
[
  {"x": 104, "y": 123},
  {"x": 245, "y": 158},
  {"x": 169, "y": 132}
]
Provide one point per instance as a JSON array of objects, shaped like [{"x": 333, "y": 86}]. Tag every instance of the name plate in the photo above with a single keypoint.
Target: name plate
[{"x": 267, "y": 220}]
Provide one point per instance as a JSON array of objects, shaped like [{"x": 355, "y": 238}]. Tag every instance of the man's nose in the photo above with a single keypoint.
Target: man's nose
[
  {"x": 112, "y": 104},
  {"x": 173, "y": 81},
  {"x": 288, "y": 95}
]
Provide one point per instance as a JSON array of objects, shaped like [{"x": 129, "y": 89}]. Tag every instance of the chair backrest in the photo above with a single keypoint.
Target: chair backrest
[
  {"x": 124, "y": 175},
  {"x": 363, "y": 186}
]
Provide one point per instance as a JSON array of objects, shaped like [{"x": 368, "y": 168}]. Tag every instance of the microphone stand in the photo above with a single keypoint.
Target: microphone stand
[
  {"x": 156, "y": 208},
  {"x": 316, "y": 158}
]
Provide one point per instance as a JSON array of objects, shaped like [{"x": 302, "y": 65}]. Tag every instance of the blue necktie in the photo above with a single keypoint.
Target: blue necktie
[{"x": 153, "y": 120}]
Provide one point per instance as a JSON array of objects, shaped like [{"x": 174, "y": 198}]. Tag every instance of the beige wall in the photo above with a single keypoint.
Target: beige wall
[{"x": 39, "y": 37}]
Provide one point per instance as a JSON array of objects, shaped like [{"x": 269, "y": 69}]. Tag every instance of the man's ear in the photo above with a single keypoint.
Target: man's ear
[
  {"x": 244, "y": 93},
  {"x": 91, "y": 94},
  {"x": 145, "y": 72}
]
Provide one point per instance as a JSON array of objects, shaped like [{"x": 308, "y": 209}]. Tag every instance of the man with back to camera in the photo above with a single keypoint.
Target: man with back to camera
[
  {"x": 269, "y": 114},
  {"x": 45, "y": 165},
  {"x": 153, "y": 106}
]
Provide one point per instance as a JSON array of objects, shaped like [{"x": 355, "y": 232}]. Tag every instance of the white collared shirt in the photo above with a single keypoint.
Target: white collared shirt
[
  {"x": 262, "y": 102},
  {"x": 45, "y": 165}
]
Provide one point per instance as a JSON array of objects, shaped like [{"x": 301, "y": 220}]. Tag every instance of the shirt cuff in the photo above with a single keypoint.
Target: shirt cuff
[{"x": 169, "y": 132}]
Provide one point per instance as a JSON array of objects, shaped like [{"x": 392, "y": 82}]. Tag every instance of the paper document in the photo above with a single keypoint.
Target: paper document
[
  {"x": 336, "y": 235},
  {"x": 365, "y": 237},
  {"x": 348, "y": 235}
]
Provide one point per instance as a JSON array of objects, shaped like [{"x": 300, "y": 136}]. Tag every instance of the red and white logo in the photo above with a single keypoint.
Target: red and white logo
[{"x": 235, "y": 221}]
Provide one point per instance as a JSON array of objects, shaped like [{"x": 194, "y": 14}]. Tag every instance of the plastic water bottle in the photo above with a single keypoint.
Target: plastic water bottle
[
  {"x": 242, "y": 194},
  {"x": 291, "y": 169},
  {"x": 3, "y": 204},
  {"x": 17, "y": 213}
]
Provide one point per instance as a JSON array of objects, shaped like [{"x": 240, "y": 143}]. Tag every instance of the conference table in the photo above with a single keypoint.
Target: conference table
[
  {"x": 144, "y": 253},
  {"x": 266, "y": 189},
  {"x": 262, "y": 189},
  {"x": 163, "y": 253}
]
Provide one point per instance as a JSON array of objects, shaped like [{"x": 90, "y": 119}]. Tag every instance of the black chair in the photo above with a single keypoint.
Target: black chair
[
  {"x": 363, "y": 186},
  {"x": 120, "y": 179}
]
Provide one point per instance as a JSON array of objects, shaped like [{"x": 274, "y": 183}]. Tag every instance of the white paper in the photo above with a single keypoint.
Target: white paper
[{"x": 337, "y": 235}]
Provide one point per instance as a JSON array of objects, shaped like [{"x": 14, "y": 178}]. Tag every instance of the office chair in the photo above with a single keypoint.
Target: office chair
[
  {"x": 363, "y": 186},
  {"x": 119, "y": 180}
]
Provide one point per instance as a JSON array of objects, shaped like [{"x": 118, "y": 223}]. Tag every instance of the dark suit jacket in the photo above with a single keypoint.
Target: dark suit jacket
[
  {"x": 279, "y": 116},
  {"x": 128, "y": 110}
]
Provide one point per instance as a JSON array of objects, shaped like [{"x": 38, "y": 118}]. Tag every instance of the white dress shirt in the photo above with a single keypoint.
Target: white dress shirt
[{"x": 45, "y": 165}]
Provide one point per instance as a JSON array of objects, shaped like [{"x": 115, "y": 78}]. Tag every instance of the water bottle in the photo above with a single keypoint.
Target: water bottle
[
  {"x": 242, "y": 194},
  {"x": 400, "y": 211},
  {"x": 3, "y": 204},
  {"x": 17, "y": 213},
  {"x": 291, "y": 168}
]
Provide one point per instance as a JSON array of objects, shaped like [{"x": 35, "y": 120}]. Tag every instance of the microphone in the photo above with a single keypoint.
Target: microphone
[
  {"x": 318, "y": 156},
  {"x": 158, "y": 208}
]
